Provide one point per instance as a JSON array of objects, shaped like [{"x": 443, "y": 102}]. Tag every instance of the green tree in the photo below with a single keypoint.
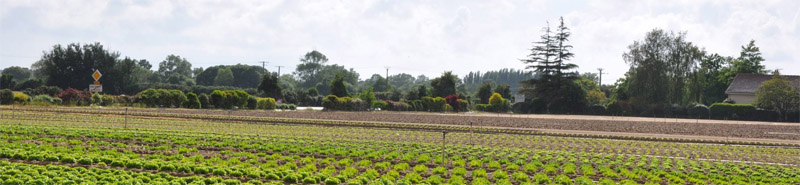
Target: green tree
[
  {"x": 310, "y": 66},
  {"x": 337, "y": 86},
  {"x": 72, "y": 66},
  {"x": 7, "y": 81},
  {"x": 778, "y": 94},
  {"x": 750, "y": 59},
  {"x": 422, "y": 91},
  {"x": 660, "y": 67},
  {"x": 270, "y": 85},
  {"x": 176, "y": 68},
  {"x": 444, "y": 85},
  {"x": 20, "y": 73},
  {"x": 192, "y": 101},
  {"x": 504, "y": 90},
  {"x": 224, "y": 77},
  {"x": 749, "y": 62},
  {"x": 549, "y": 58},
  {"x": 484, "y": 93},
  {"x": 381, "y": 85}
]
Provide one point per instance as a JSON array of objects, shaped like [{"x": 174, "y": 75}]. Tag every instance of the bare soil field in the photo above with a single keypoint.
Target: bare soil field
[{"x": 552, "y": 123}]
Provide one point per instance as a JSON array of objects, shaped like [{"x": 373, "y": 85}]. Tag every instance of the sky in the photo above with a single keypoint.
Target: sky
[{"x": 408, "y": 36}]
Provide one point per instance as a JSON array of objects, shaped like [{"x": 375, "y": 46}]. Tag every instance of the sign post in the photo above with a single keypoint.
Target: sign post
[{"x": 96, "y": 87}]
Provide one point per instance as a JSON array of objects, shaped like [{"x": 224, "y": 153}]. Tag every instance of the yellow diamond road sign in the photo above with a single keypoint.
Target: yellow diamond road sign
[{"x": 96, "y": 75}]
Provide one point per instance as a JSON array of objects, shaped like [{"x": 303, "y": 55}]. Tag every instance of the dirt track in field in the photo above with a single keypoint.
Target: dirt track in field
[{"x": 576, "y": 124}]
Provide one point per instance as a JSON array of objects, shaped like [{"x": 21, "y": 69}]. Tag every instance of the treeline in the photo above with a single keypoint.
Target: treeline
[{"x": 668, "y": 76}]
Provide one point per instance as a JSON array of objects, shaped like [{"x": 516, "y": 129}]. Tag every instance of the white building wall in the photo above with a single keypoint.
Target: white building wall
[{"x": 742, "y": 98}]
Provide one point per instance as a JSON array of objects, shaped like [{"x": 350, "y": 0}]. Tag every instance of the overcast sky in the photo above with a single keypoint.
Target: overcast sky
[{"x": 416, "y": 37}]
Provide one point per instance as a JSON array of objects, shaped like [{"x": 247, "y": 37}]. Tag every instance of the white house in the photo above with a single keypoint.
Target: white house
[{"x": 743, "y": 88}]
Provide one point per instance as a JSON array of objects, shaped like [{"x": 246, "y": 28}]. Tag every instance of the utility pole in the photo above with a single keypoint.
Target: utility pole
[
  {"x": 387, "y": 71},
  {"x": 279, "y": 70},
  {"x": 263, "y": 64},
  {"x": 600, "y": 78},
  {"x": 387, "y": 75}
]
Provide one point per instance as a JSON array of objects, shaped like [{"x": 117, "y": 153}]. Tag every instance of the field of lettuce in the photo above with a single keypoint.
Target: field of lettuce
[{"x": 83, "y": 146}]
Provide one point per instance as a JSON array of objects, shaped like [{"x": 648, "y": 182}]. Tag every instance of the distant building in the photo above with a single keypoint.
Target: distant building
[{"x": 743, "y": 88}]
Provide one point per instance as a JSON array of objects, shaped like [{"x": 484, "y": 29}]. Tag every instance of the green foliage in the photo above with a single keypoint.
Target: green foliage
[
  {"x": 224, "y": 77},
  {"x": 21, "y": 98},
  {"x": 332, "y": 102},
  {"x": 229, "y": 99},
  {"x": 162, "y": 98},
  {"x": 699, "y": 111},
  {"x": 266, "y": 103},
  {"x": 45, "y": 100},
  {"x": 731, "y": 111},
  {"x": 270, "y": 85},
  {"x": 20, "y": 74},
  {"x": 484, "y": 93},
  {"x": 778, "y": 94},
  {"x": 504, "y": 90},
  {"x": 445, "y": 84},
  {"x": 337, "y": 86},
  {"x": 192, "y": 101}
]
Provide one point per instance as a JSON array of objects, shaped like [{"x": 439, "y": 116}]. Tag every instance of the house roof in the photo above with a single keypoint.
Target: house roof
[{"x": 748, "y": 83}]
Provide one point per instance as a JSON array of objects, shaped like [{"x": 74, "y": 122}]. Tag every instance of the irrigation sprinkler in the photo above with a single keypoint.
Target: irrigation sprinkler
[
  {"x": 444, "y": 141},
  {"x": 126, "y": 118}
]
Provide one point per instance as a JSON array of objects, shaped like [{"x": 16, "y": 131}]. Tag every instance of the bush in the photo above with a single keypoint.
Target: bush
[
  {"x": 46, "y": 90},
  {"x": 332, "y": 102},
  {"x": 21, "y": 98},
  {"x": 731, "y": 111},
  {"x": 286, "y": 106},
  {"x": 252, "y": 101},
  {"x": 498, "y": 103},
  {"x": 45, "y": 100},
  {"x": 204, "y": 101},
  {"x": 764, "y": 115},
  {"x": 397, "y": 106},
  {"x": 452, "y": 100},
  {"x": 379, "y": 104},
  {"x": 162, "y": 98},
  {"x": 229, "y": 99},
  {"x": 597, "y": 110},
  {"x": 619, "y": 108},
  {"x": 192, "y": 101},
  {"x": 266, "y": 103},
  {"x": 6, "y": 97},
  {"x": 698, "y": 111}
]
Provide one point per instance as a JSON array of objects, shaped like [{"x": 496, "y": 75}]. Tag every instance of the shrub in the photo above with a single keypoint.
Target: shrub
[
  {"x": 286, "y": 106},
  {"x": 192, "y": 101},
  {"x": 619, "y": 108},
  {"x": 43, "y": 90},
  {"x": 162, "y": 98},
  {"x": 266, "y": 103},
  {"x": 252, "y": 101},
  {"x": 45, "y": 100},
  {"x": 397, "y": 106},
  {"x": 731, "y": 111},
  {"x": 6, "y": 96},
  {"x": 597, "y": 110},
  {"x": 764, "y": 115},
  {"x": 698, "y": 111},
  {"x": 21, "y": 98},
  {"x": 74, "y": 97},
  {"x": 205, "y": 101},
  {"x": 228, "y": 99},
  {"x": 452, "y": 100},
  {"x": 380, "y": 104}
]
